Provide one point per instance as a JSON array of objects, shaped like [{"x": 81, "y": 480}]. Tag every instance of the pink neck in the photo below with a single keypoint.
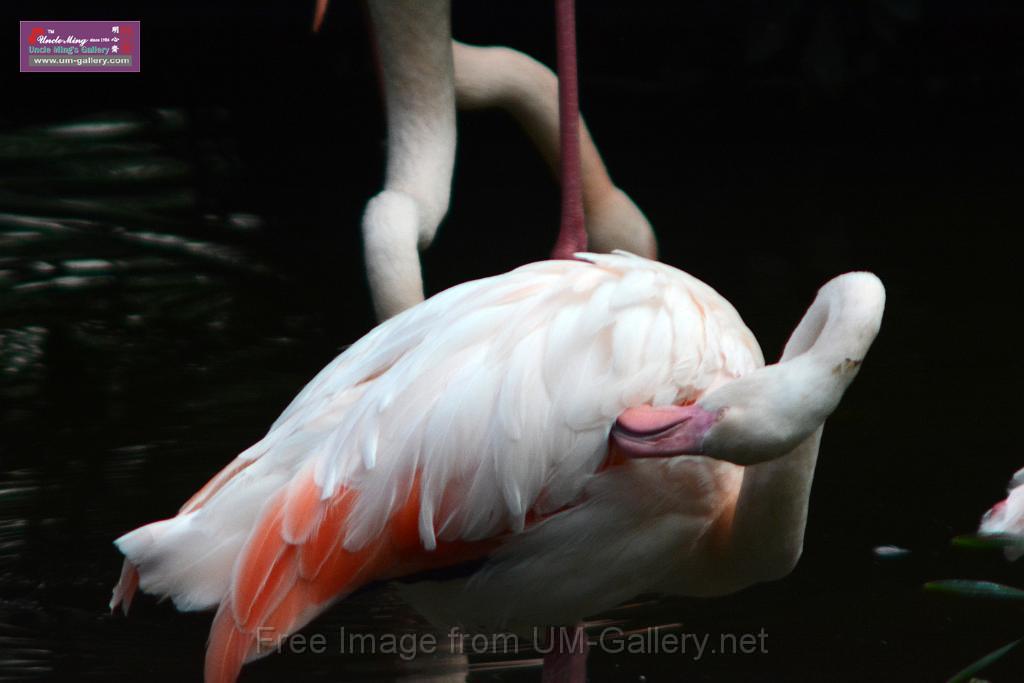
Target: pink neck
[{"x": 572, "y": 236}]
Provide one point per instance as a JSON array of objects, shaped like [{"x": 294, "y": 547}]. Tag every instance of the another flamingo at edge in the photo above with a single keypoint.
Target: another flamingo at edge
[
  {"x": 589, "y": 429},
  {"x": 1006, "y": 518}
]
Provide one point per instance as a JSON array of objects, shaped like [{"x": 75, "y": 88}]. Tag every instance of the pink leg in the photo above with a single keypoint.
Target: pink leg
[
  {"x": 572, "y": 235},
  {"x": 567, "y": 661}
]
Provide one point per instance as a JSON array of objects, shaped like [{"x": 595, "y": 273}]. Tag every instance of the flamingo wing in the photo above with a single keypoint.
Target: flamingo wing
[{"x": 496, "y": 398}]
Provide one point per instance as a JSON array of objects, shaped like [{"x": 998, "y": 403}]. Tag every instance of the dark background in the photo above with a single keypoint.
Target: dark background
[{"x": 771, "y": 144}]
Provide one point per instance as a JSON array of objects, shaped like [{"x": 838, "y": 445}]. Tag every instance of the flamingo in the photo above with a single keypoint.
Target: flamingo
[
  {"x": 424, "y": 75},
  {"x": 1006, "y": 518},
  {"x": 588, "y": 429}
]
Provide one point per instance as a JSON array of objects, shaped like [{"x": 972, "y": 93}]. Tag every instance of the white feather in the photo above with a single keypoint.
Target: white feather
[{"x": 497, "y": 396}]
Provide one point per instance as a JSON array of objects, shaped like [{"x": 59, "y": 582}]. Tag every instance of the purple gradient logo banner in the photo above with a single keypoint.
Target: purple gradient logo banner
[{"x": 80, "y": 46}]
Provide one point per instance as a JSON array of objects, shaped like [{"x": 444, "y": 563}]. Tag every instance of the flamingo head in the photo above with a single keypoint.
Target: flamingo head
[
  {"x": 769, "y": 412},
  {"x": 755, "y": 418}
]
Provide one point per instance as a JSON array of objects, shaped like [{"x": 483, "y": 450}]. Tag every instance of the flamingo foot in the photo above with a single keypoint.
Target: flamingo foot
[
  {"x": 649, "y": 432},
  {"x": 567, "y": 660}
]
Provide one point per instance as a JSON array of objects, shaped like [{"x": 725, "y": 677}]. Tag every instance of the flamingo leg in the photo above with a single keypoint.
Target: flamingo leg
[
  {"x": 567, "y": 660},
  {"x": 504, "y": 78},
  {"x": 572, "y": 235}
]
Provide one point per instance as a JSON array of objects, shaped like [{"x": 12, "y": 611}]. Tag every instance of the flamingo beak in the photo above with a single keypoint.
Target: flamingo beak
[{"x": 649, "y": 432}]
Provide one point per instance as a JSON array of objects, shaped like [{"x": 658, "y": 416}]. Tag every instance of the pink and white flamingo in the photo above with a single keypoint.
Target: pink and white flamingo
[
  {"x": 424, "y": 75},
  {"x": 591, "y": 429}
]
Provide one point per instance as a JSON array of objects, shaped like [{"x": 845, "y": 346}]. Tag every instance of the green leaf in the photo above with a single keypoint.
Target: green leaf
[
  {"x": 975, "y": 589},
  {"x": 967, "y": 674},
  {"x": 987, "y": 541}
]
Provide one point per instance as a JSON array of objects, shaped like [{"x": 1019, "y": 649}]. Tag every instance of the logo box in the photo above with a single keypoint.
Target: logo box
[{"x": 80, "y": 46}]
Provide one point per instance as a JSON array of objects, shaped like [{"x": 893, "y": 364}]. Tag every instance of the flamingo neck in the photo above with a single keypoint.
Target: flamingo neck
[
  {"x": 767, "y": 533},
  {"x": 823, "y": 353},
  {"x": 572, "y": 236},
  {"x": 413, "y": 44}
]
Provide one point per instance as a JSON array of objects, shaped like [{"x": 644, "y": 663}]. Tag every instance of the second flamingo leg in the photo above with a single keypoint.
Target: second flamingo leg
[{"x": 566, "y": 660}]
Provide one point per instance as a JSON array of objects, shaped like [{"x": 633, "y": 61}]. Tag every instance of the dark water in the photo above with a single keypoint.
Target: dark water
[{"x": 171, "y": 274}]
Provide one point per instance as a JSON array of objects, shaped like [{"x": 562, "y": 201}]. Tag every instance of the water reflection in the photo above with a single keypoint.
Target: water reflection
[{"x": 106, "y": 279}]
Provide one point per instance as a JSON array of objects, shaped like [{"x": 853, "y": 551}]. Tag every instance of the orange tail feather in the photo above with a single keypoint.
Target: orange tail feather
[
  {"x": 125, "y": 589},
  {"x": 280, "y": 586},
  {"x": 227, "y": 649}
]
